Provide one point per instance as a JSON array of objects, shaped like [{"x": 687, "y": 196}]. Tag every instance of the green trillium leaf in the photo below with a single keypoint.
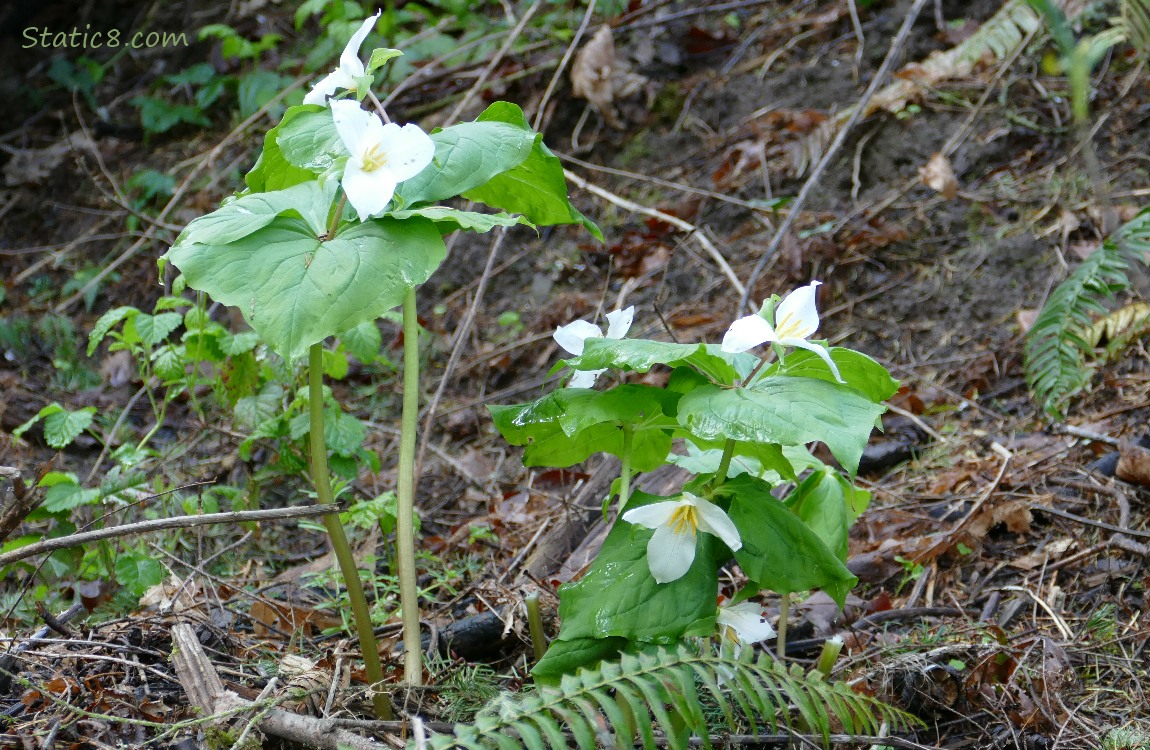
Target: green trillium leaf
[
  {"x": 566, "y": 657},
  {"x": 309, "y": 139},
  {"x": 254, "y": 211},
  {"x": 535, "y": 187},
  {"x": 296, "y": 290},
  {"x": 780, "y": 552},
  {"x": 466, "y": 156},
  {"x": 784, "y": 410},
  {"x": 819, "y": 502},
  {"x": 618, "y": 597},
  {"x": 640, "y": 355},
  {"x": 272, "y": 170},
  {"x": 858, "y": 370},
  {"x": 569, "y": 425},
  {"x": 450, "y": 219}
]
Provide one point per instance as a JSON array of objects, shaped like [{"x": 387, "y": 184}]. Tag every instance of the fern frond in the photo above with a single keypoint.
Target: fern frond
[
  {"x": 667, "y": 692},
  {"x": 1136, "y": 21},
  {"x": 1058, "y": 345}
]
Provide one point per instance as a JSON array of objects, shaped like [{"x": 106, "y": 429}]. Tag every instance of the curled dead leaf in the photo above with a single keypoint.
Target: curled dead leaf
[
  {"x": 938, "y": 175},
  {"x": 601, "y": 78}
]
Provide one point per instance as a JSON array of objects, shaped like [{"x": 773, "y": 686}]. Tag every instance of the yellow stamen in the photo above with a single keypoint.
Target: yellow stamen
[
  {"x": 684, "y": 520},
  {"x": 785, "y": 327},
  {"x": 374, "y": 158}
]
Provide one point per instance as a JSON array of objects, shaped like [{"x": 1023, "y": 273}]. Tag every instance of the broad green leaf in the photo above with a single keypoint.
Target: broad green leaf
[
  {"x": 380, "y": 56},
  {"x": 139, "y": 571},
  {"x": 859, "y": 371},
  {"x": 233, "y": 344},
  {"x": 296, "y": 290},
  {"x": 106, "y": 323},
  {"x": 466, "y": 156},
  {"x": 335, "y": 364},
  {"x": 61, "y": 426},
  {"x": 618, "y": 597},
  {"x": 272, "y": 171},
  {"x": 153, "y": 329},
  {"x": 764, "y": 460},
  {"x": 363, "y": 341},
  {"x": 252, "y": 411},
  {"x": 309, "y": 140},
  {"x": 342, "y": 432},
  {"x": 249, "y": 213},
  {"x": 784, "y": 410},
  {"x": 66, "y": 496},
  {"x": 566, "y": 657},
  {"x": 819, "y": 502},
  {"x": 570, "y": 424},
  {"x": 640, "y": 355},
  {"x": 780, "y": 552},
  {"x": 535, "y": 187},
  {"x": 450, "y": 219},
  {"x": 168, "y": 363}
]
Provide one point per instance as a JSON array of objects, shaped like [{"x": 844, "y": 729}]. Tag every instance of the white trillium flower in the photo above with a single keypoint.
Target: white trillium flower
[
  {"x": 796, "y": 319},
  {"x": 350, "y": 67},
  {"x": 671, "y": 549},
  {"x": 744, "y": 624},
  {"x": 382, "y": 156},
  {"x": 573, "y": 336}
]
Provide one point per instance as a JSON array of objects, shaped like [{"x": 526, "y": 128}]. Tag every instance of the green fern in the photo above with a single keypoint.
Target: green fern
[
  {"x": 1058, "y": 345},
  {"x": 672, "y": 691}
]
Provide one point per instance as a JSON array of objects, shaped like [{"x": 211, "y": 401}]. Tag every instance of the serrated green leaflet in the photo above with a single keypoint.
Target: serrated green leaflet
[
  {"x": 640, "y": 355},
  {"x": 784, "y": 410},
  {"x": 450, "y": 219},
  {"x": 570, "y": 424},
  {"x": 152, "y": 329},
  {"x": 535, "y": 187},
  {"x": 619, "y": 597},
  {"x": 252, "y": 212},
  {"x": 363, "y": 341},
  {"x": 466, "y": 156},
  {"x": 780, "y": 552},
  {"x": 859, "y": 371},
  {"x": 296, "y": 290}
]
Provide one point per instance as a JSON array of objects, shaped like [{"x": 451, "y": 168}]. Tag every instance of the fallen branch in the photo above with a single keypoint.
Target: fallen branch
[
  {"x": 205, "y": 691},
  {"x": 160, "y": 524}
]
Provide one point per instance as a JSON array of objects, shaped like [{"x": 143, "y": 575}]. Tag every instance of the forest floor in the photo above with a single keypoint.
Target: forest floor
[{"x": 1002, "y": 565}]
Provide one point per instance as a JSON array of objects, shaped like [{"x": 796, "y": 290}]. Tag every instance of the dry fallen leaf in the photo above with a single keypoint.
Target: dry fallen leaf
[
  {"x": 938, "y": 175},
  {"x": 598, "y": 76},
  {"x": 1133, "y": 464}
]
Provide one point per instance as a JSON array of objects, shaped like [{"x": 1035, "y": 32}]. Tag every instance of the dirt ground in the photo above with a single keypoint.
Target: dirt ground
[{"x": 1002, "y": 568}]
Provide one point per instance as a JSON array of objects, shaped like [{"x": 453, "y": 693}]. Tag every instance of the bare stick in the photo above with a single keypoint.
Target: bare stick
[
  {"x": 796, "y": 207},
  {"x": 160, "y": 524}
]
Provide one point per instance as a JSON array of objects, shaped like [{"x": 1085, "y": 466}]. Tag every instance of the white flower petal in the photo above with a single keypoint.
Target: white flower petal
[
  {"x": 796, "y": 316},
  {"x": 368, "y": 192},
  {"x": 748, "y": 621},
  {"x": 408, "y": 150},
  {"x": 572, "y": 335},
  {"x": 817, "y": 349},
  {"x": 349, "y": 60},
  {"x": 354, "y": 125},
  {"x": 747, "y": 333},
  {"x": 584, "y": 378},
  {"x": 713, "y": 520},
  {"x": 654, "y": 515},
  {"x": 619, "y": 322},
  {"x": 333, "y": 81},
  {"x": 669, "y": 555}
]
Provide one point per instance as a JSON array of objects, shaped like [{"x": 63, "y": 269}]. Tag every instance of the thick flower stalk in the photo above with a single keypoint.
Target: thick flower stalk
[
  {"x": 381, "y": 156},
  {"x": 671, "y": 549},
  {"x": 796, "y": 320},
  {"x": 350, "y": 73},
  {"x": 573, "y": 337}
]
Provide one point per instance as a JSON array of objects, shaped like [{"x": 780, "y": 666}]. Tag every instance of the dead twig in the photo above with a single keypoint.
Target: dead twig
[{"x": 160, "y": 524}]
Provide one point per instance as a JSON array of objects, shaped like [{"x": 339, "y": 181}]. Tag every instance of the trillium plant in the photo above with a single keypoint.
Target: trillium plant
[
  {"x": 341, "y": 219},
  {"x": 742, "y": 425}
]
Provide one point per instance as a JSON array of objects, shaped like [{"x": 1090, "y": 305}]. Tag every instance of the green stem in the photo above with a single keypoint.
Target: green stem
[
  {"x": 535, "y": 625},
  {"x": 322, "y": 481},
  {"x": 625, "y": 472},
  {"x": 784, "y": 612},
  {"x": 405, "y": 506},
  {"x": 724, "y": 464}
]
